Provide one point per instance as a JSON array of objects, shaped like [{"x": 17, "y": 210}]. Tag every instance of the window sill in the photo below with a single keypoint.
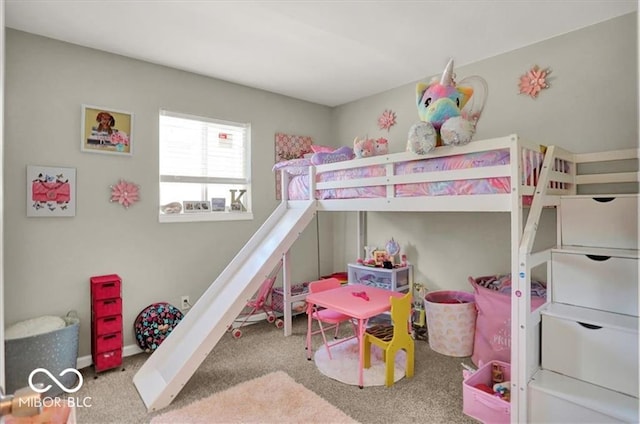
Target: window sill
[{"x": 205, "y": 217}]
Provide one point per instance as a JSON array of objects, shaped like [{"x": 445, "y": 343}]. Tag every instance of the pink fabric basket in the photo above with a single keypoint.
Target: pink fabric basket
[
  {"x": 492, "y": 338},
  {"x": 481, "y": 405}
]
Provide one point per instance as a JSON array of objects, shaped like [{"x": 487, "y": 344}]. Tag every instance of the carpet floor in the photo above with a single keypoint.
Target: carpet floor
[{"x": 433, "y": 395}]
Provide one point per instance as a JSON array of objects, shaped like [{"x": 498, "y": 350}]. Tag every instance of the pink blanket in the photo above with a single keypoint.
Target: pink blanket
[{"x": 298, "y": 187}]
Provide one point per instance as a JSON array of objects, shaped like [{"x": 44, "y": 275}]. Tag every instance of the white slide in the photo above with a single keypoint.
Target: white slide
[{"x": 168, "y": 369}]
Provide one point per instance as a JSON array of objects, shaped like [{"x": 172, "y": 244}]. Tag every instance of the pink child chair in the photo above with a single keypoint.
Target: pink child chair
[{"x": 326, "y": 316}]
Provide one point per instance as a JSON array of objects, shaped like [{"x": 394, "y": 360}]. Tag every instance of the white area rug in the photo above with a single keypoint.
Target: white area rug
[{"x": 344, "y": 365}]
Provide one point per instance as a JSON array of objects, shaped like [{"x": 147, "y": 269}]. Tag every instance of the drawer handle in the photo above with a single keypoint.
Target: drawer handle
[
  {"x": 108, "y": 302},
  {"x": 598, "y": 258},
  {"x": 110, "y": 319},
  {"x": 110, "y": 336},
  {"x": 109, "y": 285},
  {"x": 604, "y": 199},
  {"x": 589, "y": 326}
]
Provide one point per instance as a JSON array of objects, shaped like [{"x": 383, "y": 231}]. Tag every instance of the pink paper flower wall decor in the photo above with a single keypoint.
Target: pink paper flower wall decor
[
  {"x": 387, "y": 120},
  {"x": 125, "y": 193},
  {"x": 534, "y": 81}
]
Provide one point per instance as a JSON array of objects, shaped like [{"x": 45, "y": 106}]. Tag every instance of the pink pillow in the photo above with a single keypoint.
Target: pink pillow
[{"x": 317, "y": 148}]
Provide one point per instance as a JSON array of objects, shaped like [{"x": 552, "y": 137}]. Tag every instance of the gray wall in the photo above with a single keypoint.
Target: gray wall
[
  {"x": 592, "y": 105},
  {"x": 49, "y": 260}
]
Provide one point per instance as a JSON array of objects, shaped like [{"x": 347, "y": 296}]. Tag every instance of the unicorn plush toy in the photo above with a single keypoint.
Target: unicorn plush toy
[{"x": 448, "y": 111}]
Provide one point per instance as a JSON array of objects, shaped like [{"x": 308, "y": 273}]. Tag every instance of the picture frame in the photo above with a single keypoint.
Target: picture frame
[
  {"x": 196, "y": 206},
  {"x": 51, "y": 191},
  {"x": 218, "y": 204},
  {"x": 106, "y": 130}
]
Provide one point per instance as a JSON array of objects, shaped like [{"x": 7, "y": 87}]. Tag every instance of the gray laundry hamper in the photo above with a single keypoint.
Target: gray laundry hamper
[{"x": 54, "y": 351}]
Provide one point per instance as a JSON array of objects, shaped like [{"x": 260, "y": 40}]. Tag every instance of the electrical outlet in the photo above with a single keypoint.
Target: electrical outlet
[{"x": 184, "y": 302}]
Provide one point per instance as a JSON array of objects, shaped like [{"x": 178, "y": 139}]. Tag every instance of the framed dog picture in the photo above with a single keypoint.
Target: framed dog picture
[
  {"x": 51, "y": 191},
  {"x": 106, "y": 130}
]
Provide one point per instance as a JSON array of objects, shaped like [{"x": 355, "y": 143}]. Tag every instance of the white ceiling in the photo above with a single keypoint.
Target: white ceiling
[{"x": 326, "y": 52}]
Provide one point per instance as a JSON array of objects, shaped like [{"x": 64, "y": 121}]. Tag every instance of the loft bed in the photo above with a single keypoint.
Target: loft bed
[
  {"x": 474, "y": 177},
  {"x": 504, "y": 174}
]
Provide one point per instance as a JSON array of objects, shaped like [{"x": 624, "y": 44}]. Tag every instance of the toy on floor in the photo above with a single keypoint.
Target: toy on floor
[
  {"x": 448, "y": 111},
  {"x": 258, "y": 305}
]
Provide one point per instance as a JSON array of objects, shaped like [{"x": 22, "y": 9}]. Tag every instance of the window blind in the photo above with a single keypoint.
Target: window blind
[{"x": 202, "y": 150}]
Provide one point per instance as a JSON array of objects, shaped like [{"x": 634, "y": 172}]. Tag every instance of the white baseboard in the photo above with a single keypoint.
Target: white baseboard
[
  {"x": 130, "y": 350},
  {"x": 87, "y": 361}
]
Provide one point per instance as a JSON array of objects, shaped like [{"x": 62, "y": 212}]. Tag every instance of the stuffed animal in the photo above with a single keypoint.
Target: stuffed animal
[
  {"x": 381, "y": 146},
  {"x": 448, "y": 111},
  {"x": 363, "y": 148},
  {"x": 366, "y": 147}
]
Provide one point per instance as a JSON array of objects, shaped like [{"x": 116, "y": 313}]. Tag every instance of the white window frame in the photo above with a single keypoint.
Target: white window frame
[{"x": 210, "y": 216}]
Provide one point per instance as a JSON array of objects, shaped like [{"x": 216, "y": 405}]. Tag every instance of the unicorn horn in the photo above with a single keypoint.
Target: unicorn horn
[{"x": 447, "y": 75}]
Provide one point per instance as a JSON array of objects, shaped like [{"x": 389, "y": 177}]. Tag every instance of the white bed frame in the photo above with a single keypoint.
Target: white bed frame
[{"x": 557, "y": 177}]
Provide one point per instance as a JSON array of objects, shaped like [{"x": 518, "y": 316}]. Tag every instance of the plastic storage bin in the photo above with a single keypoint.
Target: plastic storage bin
[
  {"x": 483, "y": 406},
  {"x": 451, "y": 322},
  {"x": 396, "y": 279}
]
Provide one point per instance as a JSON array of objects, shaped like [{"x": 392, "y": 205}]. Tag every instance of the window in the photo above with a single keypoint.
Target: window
[{"x": 205, "y": 166}]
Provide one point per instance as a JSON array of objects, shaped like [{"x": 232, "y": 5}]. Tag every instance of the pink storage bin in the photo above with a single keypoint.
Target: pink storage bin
[
  {"x": 492, "y": 337},
  {"x": 481, "y": 405}
]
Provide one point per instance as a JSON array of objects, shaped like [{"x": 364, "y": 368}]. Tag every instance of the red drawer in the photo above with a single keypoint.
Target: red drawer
[
  {"x": 107, "y": 307},
  {"x": 105, "y": 287},
  {"x": 107, "y": 325},
  {"x": 108, "y": 342},
  {"x": 107, "y": 360}
]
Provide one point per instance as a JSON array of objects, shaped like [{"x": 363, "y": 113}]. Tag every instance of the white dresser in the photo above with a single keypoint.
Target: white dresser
[{"x": 589, "y": 332}]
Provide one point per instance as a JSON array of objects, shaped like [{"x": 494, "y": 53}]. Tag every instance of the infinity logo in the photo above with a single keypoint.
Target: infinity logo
[{"x": 39, "y": 389}]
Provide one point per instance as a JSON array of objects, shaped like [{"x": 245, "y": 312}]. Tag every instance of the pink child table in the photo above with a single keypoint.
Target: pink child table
[{"x": 357, "y": 301}]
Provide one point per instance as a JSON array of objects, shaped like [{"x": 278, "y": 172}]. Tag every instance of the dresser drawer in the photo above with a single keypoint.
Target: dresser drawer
[
  {"x": 107, "y": 360},
  {"x": 107, "y": 325},
  {"x": 105, "y": 286},
  {"x": 593, "y": 346},
  {"x": 600, "y": 221},
  {"x": 108, "y": 342},
  {"x": 107, "y": 307},
  {"x": 396, "y": 279},
  {"x": 594, "y": 281}
]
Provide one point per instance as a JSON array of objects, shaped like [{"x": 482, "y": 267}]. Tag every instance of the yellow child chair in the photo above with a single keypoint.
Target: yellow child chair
[
  {"x": 326, "y": 316},
  {"x": 392, "y": 338}
]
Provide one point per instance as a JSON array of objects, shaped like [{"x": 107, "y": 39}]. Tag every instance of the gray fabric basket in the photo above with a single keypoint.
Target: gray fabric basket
[{"x": 55, "y": 351}]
